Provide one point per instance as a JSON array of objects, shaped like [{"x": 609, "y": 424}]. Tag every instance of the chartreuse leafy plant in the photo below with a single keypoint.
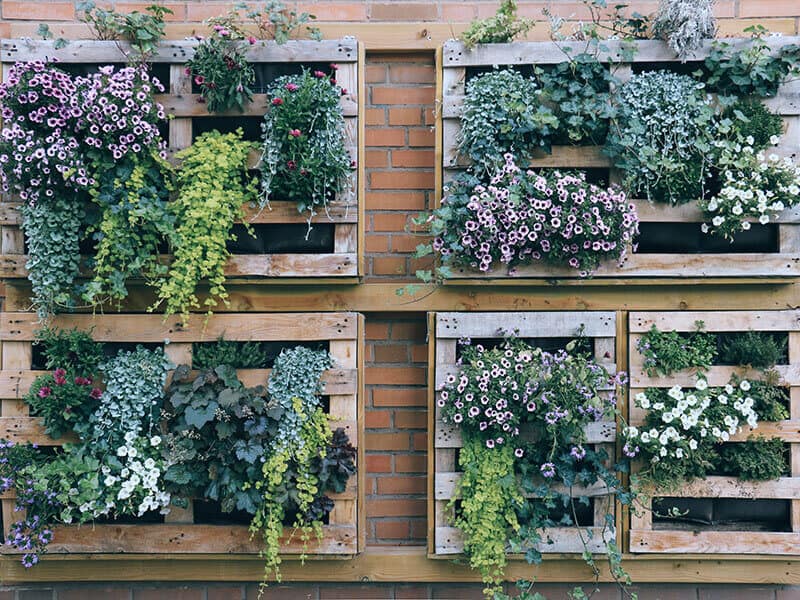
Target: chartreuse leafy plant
[
  {"x": 213, "y": 187},
  {"x": 503, "y": 27},
  {"x": 304, "y": 158},
  {"x": 523, "y": 414}
]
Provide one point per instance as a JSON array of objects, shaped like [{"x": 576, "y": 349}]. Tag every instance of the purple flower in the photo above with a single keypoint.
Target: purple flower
[{"x": 548, "y": 470}]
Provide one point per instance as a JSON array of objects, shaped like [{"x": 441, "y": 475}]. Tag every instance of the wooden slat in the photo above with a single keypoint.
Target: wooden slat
[
  {"x": 784, "y": 488},
  {"x": 446, "y": 483},
  {"x": 788, "y": 431},
  {"x": 263, "y": 327},
  {"x": 794, "y": 413},
  {"x": 15, "y": 355},
  {"x": 715, "y": 542},
  {"x": 448, "y": 435},
  {"x": 178, "y": 52},
  {"x": 449, "y": 540},
  {"x": 292, "y": 265},
  {"x": 716, "y": 321},
  {"x": 716, "y": 376},
  {"x": 527, "y": 324},
  {"x": 186, "y": 104}
]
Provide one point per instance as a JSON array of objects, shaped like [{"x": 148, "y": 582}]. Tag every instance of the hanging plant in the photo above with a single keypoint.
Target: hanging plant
[
  {"x": 304, "y": 158},
  {"x": 685, "y": 24},
  {"x": 213, "y": 187}
]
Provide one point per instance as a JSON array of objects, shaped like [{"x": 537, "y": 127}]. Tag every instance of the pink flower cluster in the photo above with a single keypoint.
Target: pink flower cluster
[{"x": 521, "y": 217}]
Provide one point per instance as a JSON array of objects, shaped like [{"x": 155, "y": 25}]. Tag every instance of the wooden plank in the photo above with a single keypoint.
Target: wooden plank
[
  {"x": 715, "y": 542},
  {"x": 717, "y": 375},
  {"x": 15, "y": 356},
  {"x": 518, "y": 53},
  {"x": 448, "y": 435},
  {"x": 716, "y": 321},
  {"x": 784, "y": 488},
  {"x": 187, "y": 104},
  {"x": 527, "y": 324},
  {"x": 555, "y": 539},
  {"x": 657, "y": 265},
  {"x": 788, "y": 431},
  {"x": 16, "y": 383},
  {"x": 345, "y": 239},
  {"x": 265, "y": 327},
  {"x": 446, "y": 483},
  {"x": 177, "y": 52},
  {"x": 794, "y": 413}
]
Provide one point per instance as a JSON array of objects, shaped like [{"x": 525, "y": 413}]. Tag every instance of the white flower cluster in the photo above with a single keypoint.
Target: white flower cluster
[
  {"x": 683, "y": 421},
  {"x": 755, "y": 187},
  {"x": 140, "y": 475}
]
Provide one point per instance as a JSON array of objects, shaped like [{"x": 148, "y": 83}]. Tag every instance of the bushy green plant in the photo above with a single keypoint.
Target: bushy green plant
[
  {"x": 751, "y": 119},
  {"x": 751, "y": 70},
  {"x": 213, "y": 187},
  {"x": 757, "y": 459},
  {"x": 661, "y": 137},
  {"x": 239, "y": 355},
  {"x": 666, "y": 352},
  {"x": 70, "y": 348},
  {"x": 758, "y": 349},
  {"x": 277, "y": 22},
  {"x": 685, "y": 24},
  {"x": 771, "y": 398},
  {"x": 503, "y": 27},
  {"x": 503, "y": 114},
  {"x": 144, "y": 31},
  {"x": 304, "y": 158}
]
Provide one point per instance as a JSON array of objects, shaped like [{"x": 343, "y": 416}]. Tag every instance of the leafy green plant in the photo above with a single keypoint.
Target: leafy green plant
[
  {"x": 758, "y": 349},
  {"x": 752, "y": 70},
  {"x": 69, "y": 348},
  {"x": 213, "y": 187},
  {"x": 685, "y": 24},
  {"x": 503, "y": 114},
  {"x": 770, "y": 398},
  {"x": 662, "y": 135},
  {"x": 666, "y": 352},
  {"x": 751, "y": 119},
  {"x": 503, "y": 27},
  {"x": 757, "y": 459},
  {"x": 304, "y": 158},
  {"x": 143, "y": 31},
  {"x": 277, "y": 22},
  {"x": 239, "y": 355},
  {"x": 64, "y": 400}
]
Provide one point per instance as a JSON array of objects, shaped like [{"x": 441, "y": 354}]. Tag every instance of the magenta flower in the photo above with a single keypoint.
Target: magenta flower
[
  {"x": 96, "y": 393},
  {"x": 295, "y": 133},
  {"x": 199, "y": 79},
  {"x": 277, "y": 101},
  {"x": 292, "y": 87},
  {"x": 252, "y": 40},
  {"x": 319, "y": 74},
  {"x": 44, "y": 392}
]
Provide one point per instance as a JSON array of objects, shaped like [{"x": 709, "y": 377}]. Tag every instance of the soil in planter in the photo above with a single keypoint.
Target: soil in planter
[
  {"x": 687, "y": 238},
  {"x": 284, "y": 238},
  {"x": 722, "y": 514}
]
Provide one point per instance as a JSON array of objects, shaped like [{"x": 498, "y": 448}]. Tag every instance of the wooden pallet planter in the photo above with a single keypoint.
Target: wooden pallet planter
[
  {"x": 646, "y": 538},
  {"x": 458, "y": 62},
  {"x": 344, "y": 333},
  {"x": 341, "y": 265},
  {"x": 444, "y": 331}
]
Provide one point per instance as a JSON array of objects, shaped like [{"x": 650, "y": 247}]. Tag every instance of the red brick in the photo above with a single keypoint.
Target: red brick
[
  {"x": 389, "y": 265},
  {"x": 401, "y": 180},
  {"x": 406, "y": 243},
  {"x": 224, "y": 593},
  {"x": 375, "y": 116},
  {"x": 665, "y": 591},
  {"x": 389, "y": 221},
  {"x": 421, "y": 137},
  {"x": 430, "y": 117},
  {"x": 200, "y": 11},
  {"x": 394, "y": 353},
  {"x": 401, "y": 485},
  {"x": 412, "y": 592},
  {"x": 377, "y": 331},
  {"x": 408, "y": 419},
  {"x": 411, "y": 463},
  {"x": 421, "y": 441},
  {"x": 403, "y": 11},
  {"x": 7, "y": 595},
  {"x": 413, "y": 158},
  {"x": 375, "y": 419},
  {"x": 787, "y": 592},
  {"x": 768, "y": 8},
  {"x": 377, "y": 243},
  {"x": 395, "y": 375},
  {"x": 178, "y": 10},
  {"x": 419, "y": 529},
  {"x": 409, "y": 330},
  {"x": 101, "y": 593},
  {"x": 405, "y": 116},
  {"x": 419, "y": 353},
  {"x": 379, "y": 463},
  {"x": 374, "y": 136},
  {"x": 375, "y": 73},
  {"x": 412, "y": 74},
  {"x": 735, "y": 592},
  {"x": 406, "y": 507},
  {"x": 403, "y": 397},
  {"x": 376, "y": 159},
  {"x": 277, "y": 591},
  {"x": 392, "y": 530},
  {"x": 173, "y": 593},
  {"x": 387, "y": 441},
  {"x": 335, "y": 11},
  {"x": 403, "y": 95},
  {"x": 408, "y": 200},
  {"x": 36, "y": 11},
  {"x": 458, "y": 13},
  {"x": 462, "y": 591}
]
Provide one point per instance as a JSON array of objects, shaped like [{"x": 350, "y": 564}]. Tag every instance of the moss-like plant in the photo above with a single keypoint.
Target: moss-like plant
[
  {"x": 758, "y": 349},
  {"x": 751, "y": 119},
  {"x": 757, "y": 459},
  {"x": 504, "y": 26},
  {"x": 213, "y": 187}
]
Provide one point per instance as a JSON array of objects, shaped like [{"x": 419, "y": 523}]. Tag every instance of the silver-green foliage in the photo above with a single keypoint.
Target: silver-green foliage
[
  {"x": 684, "y": 24},
  {"x": 661, "y": 136}
]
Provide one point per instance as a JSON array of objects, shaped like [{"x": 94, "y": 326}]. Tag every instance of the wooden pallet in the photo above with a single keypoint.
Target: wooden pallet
[
  {"x": 344, "y": 333},
  {"x": 344, "y": 264},
  {"x": 643, "y": 536},
  {"x": 457, "y": 61},
  {"x": 444, "y": 331}
]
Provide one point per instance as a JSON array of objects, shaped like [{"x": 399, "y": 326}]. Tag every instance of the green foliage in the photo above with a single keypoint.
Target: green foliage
[
  {"x": 758, "y": 349},
  {"x": 277, "y": 22},
  {"x": 213, "y": 187},
  {"x": 490, "y": 494},
  {"x": 770, "y": 398},
  {"x": 757, "y": 459},
  {"x": 239, "y": 355},
  {"x": 220, "y": 68},
  {"x": 144, "y": 31},
  {"x": 661, "y": 136},
  {"x": 503, "y": 113},
  {"x": 668, "y": 352},
  {"x": 71, "y": 348},
  {"x": 752, "y": 70},
  {"x": 64, "y": 400},
  {"x": 503, "y": 27},
  {"x": 44, "y": 32},
  {"x": 134, "y": 221},
  {"x": 304, "y": 158},
  {"x": 752, "y": 119}
]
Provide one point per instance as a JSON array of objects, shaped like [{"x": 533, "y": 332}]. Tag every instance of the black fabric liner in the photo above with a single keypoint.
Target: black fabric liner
[
  {"x": 284, "y": 238},
  {"x": 148, "y": 518},
  {"x": 778, "y": 336},
  {"x": 687, "y": 238},
  {"x": 736, "y": 513},
  {"x": 209, "y": 512},
  {"x": 110, "y": 349}
]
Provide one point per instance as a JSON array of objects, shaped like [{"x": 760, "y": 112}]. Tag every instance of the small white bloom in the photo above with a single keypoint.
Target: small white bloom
[
  {"x": 679, "y": 453},
  {"x": 763, "y": 219},
  {"x": 693, "y": 444},
  {"x": 155, "y": 441},
  {"x": 122, "y": 451},
  {"x": 745, "y": 386}
]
